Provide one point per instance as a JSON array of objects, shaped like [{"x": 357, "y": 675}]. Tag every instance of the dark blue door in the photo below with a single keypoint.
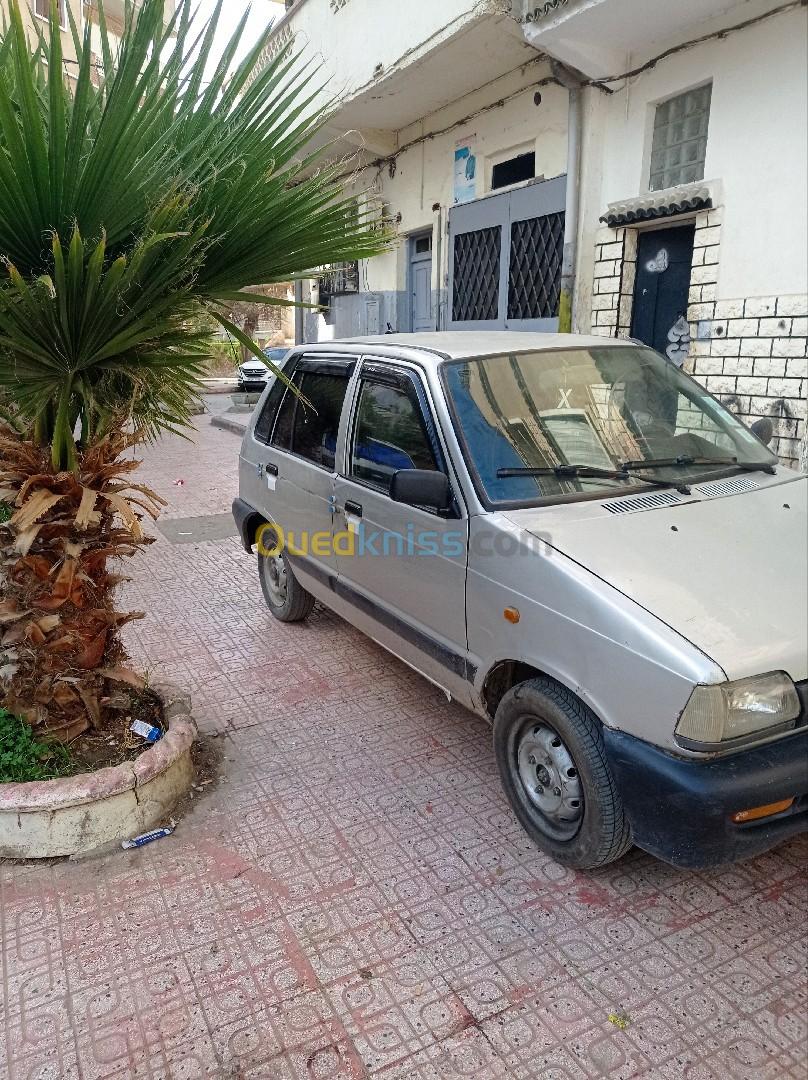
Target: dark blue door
[{"x": 664, "y": 261}]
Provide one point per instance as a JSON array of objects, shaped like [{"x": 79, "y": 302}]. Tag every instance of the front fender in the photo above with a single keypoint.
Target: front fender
[{"x": 632, "y": 670}]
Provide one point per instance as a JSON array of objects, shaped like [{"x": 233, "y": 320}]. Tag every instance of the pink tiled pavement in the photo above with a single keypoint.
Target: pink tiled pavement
[{"x": 355, "y": 899}]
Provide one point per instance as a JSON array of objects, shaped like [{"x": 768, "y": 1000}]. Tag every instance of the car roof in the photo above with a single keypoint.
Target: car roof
[{"x": 465, "y": 344}]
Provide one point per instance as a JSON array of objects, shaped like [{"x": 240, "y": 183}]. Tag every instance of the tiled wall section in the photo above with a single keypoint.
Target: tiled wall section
[
  {"x": 613, "y": 290},
  {"x": 750, "y": 352}
]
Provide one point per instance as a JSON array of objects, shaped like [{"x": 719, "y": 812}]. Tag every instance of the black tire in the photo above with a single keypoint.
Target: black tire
[
  {"x": 597, "y": 831},
  {"x": 296, "y": 603}
]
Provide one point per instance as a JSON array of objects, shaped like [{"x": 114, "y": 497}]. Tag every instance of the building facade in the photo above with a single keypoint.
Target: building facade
[
  {"x": 631, "y": 167},
  {"x": 36, "y": 13}
]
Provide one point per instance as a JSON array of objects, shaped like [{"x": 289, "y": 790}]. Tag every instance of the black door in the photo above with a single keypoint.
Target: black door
[{"x": 664, "y": 261}]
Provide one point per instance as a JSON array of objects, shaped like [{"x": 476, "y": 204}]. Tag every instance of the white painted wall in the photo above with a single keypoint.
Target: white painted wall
[
  {"x": 358, "y": 36},
  {"x": 35, "y": 25},
  {"x": 756, "y": 148},
  {"x": 425, "y": 174}
]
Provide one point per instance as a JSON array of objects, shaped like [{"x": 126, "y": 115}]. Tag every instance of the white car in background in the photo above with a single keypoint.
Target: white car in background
[{"x": 253, "y": 375}]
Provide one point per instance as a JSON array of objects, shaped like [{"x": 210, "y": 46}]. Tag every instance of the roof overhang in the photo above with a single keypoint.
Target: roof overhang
[
  {"x": 596, "y": 37},
  {"x": 672, "y": 202},
  {"x": 442, "y": 71}
]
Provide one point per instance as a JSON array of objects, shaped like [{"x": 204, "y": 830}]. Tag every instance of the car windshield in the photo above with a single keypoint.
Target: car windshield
[
  {"x": 623, "y": 410},
  {"x": 275, "y": 355}
]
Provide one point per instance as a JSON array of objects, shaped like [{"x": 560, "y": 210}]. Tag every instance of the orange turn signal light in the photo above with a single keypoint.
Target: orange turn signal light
[
  {"x": 762, "y": 811},
  {"x": 511, "y": 615}
]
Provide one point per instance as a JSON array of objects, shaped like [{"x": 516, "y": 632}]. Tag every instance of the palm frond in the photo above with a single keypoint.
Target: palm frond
[{"x": 134, "y": 205}]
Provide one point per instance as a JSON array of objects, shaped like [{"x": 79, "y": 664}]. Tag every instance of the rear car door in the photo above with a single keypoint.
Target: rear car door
[
  {"x": 297, "y": 437},
  {"x": 406, "y": 580}
]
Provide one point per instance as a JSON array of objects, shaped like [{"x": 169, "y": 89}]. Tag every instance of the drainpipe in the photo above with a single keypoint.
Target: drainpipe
[
  {"x": 298, "y": 313},
  {"x": 572, "y": 81},
  {"x": 437, "y": 209}
]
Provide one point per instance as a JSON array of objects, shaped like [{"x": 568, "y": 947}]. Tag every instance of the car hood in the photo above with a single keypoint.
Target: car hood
[{"x": 727, "y": 573}]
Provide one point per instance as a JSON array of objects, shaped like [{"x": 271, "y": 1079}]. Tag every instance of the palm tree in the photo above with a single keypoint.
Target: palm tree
[{"x": 139, "y": 200}]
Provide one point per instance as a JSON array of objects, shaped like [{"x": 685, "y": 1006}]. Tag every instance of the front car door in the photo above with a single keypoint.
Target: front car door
[
  {"x": 406, "y": 579},
  {"x": 299, "y": 438}
]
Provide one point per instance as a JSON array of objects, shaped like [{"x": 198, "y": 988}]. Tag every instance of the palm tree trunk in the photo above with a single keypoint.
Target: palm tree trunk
[{"x": 59, "y": 630}]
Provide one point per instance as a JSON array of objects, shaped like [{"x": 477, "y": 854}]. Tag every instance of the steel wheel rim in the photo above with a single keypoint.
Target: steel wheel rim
[
  {"x": 276, "y": 579},
  {"x": 549, "y": 780}
]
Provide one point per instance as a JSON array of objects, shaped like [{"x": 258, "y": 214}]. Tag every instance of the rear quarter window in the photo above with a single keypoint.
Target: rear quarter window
[{"x": 266, "y": 421}]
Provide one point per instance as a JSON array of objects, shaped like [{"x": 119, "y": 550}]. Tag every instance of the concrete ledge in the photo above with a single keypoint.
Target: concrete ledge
[
  {"x": 220, "y": 386},
  {"x": 227, "y": 423},
  {"x": 77, "y": 814}
]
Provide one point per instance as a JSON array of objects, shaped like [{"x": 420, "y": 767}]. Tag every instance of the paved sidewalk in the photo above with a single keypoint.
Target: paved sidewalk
[{"x": 355, "y": 899}]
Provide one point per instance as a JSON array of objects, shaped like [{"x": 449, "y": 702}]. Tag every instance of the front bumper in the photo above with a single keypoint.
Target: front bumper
[{"x": 680, "y": 809}]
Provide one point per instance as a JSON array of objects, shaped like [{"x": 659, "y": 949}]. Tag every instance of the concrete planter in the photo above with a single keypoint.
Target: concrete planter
[{"x": 75, "y": 815}]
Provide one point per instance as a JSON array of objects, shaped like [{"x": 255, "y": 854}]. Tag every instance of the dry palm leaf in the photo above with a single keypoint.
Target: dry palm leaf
[
  {"x": 122, "y": 507},
  {"x": 93, "y": 653},
  {"x": 62, "y": 589},
  {"x": 26, "y": 538},
  {"x": 39, "y": 504},
  {"x": 90, "y": 699},
  {"x": 86, "y": 511},
  {"x": 10, "y": 612},
  {"x": 123, "y": 675}
]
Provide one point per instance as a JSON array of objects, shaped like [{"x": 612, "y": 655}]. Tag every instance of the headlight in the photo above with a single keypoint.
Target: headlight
[{"x": 736, "y": 710}]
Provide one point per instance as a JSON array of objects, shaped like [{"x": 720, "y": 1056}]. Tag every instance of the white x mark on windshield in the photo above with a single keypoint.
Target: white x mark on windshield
[{"x": 565, "y": 402}]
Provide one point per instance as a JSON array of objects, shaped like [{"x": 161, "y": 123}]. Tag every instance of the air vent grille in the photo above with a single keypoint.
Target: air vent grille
[
  {"x": 727, "y": 487},
  {"x": 643, "y": 502}
]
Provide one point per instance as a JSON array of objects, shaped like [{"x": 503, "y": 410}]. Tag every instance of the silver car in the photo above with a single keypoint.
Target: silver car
[{"x": 573, "y": 539}]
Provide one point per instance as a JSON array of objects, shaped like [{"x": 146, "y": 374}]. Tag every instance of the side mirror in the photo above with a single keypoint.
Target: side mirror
[
  {"x": 421, "y": 487},
  {"x": 764, "y": 429}
]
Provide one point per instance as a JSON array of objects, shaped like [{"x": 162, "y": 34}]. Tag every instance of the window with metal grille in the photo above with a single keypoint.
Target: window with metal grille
[
  {"x": 679, "y": 147},
  {"x": 534, "y": 285},
  {"x": 476, "y": 275},
  {"x": 42, "y": 9},
  {"x": 339, "y": 279}
]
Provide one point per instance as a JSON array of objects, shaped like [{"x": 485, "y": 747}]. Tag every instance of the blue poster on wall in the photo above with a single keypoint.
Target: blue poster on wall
[{"x": 465, "y": 175}]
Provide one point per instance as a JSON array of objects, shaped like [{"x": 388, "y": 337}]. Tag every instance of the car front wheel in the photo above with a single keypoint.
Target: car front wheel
[{"x": 553, "y": 766}]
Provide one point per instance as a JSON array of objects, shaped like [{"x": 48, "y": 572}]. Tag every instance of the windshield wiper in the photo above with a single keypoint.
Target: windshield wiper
[
  {"x": 592, "y": 472},
  {"x": 685, "y": 461}
]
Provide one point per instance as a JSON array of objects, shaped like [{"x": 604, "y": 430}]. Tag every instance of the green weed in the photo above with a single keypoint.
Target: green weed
[{"x": 24, "y": 758}]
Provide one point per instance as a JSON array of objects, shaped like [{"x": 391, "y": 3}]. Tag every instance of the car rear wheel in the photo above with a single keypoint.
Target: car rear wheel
[
  {"x": 286, "y": 598},
  {"x": 553, "y": 766}
]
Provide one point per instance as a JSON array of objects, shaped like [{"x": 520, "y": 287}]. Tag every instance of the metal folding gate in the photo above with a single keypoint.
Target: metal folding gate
[{"x": 505, "y": 255}]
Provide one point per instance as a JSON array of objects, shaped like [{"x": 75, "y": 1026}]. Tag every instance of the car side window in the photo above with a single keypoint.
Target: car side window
[
  {"x": 282, "y": 435},
  {"x": 266, "y": 421},
  {"x": 316, "y": 424},
  {"x": 389, "y": 433}
]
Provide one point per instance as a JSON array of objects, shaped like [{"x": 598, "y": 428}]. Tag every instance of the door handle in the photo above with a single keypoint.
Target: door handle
[
  {"x": 270, "y": 469},
  {"x": 353, "y": 508}
]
